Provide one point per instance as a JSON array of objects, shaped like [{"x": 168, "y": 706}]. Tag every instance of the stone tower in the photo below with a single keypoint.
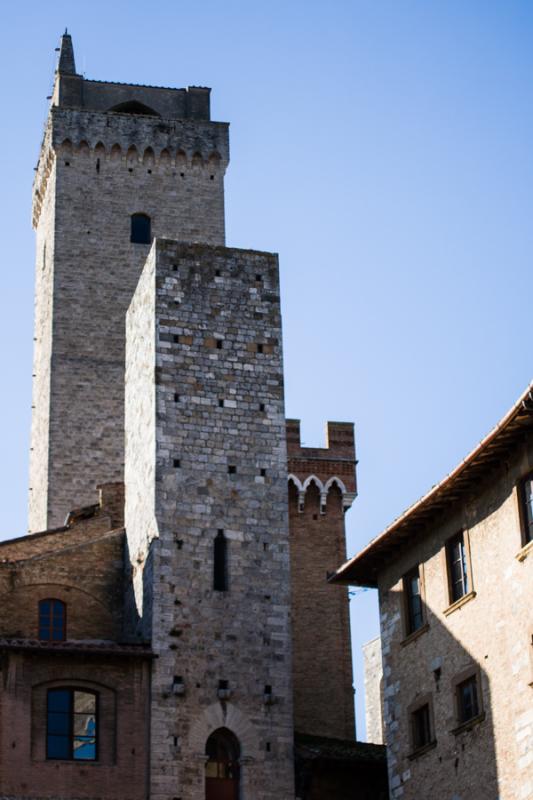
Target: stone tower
[{"x": 110, "y": 151}]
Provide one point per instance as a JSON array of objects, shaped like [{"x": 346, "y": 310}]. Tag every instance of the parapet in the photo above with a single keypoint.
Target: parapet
[
  {"x": 75, "y": 91},
  {"x": 333, "y": 465}
]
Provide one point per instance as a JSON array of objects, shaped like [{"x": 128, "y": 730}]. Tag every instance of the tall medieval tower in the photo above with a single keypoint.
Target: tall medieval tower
[
  {"x": 158, "y": 362},
  {"x": 110, "y": 151}
]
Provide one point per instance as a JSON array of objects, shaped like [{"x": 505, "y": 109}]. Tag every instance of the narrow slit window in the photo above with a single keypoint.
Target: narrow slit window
[
  {"x": 468, "y": 699},
  {"x": 526, "y": 502},
  {"x": 421, "y": 727},
  {"x": 220, "y": 573},
  {"x": 141, "y": 226}
]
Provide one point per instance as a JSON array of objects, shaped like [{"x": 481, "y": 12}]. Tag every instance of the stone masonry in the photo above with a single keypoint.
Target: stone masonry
[
  {"x": 97, "y": 167},
  {"x": 204, "y": 383}
]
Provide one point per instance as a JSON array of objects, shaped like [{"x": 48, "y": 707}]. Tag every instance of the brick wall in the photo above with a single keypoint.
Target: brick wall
[{"x": 321, "y": 488}]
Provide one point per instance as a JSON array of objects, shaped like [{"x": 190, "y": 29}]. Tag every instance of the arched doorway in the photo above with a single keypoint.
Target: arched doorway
[{"x": 222, "y": 766}]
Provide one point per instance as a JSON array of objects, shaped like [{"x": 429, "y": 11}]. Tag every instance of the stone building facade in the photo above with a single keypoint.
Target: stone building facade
[
  {"x": 455, "y": 581},
  {"x": 156, "y": 640}
]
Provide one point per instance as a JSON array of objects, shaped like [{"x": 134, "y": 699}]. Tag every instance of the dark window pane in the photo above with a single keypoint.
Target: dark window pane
[
  {"x": 468, "y": 699},
  {"x": 140, "y": 229},
  {"x": 528, "y": 509},
  {"x": 71, "y": 724},
  {"x": 220, "y": 582},
  {"x": 415, "y": 618},
  {"x": 44, "y": 607},
  {"x": 51, "y": 620},
  {"x": 59, "y": 700},
  {"x": 421, "y": 727},
  {"x": 58, "y": 747},
  {"x": 457, "y": 569},
  {"x": 58, "y": 723}
]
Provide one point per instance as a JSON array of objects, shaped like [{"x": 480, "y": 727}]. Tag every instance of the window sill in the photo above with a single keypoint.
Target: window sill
[
  {"x": 422, "y": 750},
  {"x": 459, "y": 603},
  {"x": 469, "y": 724},
  {"x": 415, "y": 634},
  {"x": 525, "y": 551}
]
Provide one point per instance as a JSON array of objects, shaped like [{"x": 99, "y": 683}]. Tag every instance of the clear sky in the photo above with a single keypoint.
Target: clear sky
[{"x": 384, "y": 149}]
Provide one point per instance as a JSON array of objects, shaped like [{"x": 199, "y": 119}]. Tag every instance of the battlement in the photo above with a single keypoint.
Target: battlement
[
  {"x": 129, "y": 140},
  {"x": 323, "y": 467}
]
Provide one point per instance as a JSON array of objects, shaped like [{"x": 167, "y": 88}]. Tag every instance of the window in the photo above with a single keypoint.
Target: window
[
  {"x": 140, "y": 229},
  {"x": 526, "y": 508},
  {"x": 456, "y": 562},
  {"x": 421, "y": 727},
  {"x": 71, "y": 725},
  {"x": 220, "y": 572},
  {"x": 52, "y": 620},
  {"x": 468, "y": 705},
  {"x": 413, "y": 601}
]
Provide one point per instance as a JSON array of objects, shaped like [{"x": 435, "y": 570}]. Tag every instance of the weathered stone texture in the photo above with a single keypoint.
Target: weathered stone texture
[
  {"x": 492, "y": 631},
  {"x": 207, "y": 419},
  {"x": 97, "y": 169},
  {"x": 373, "y": 672}
]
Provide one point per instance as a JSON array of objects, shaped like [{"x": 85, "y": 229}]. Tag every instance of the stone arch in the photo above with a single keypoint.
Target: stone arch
[
  {"x": 332, "y": 481},
  {"x": 197, "y": 159},
  {"x": 181, "y": 159},
  {"x": 66, "y": 147},
  {"x": 149, "y": 157},
  {"x": 297, "y": 482},
  {"x": 99, "y": 150},
  {"x": 223, "y": 715},
  {"x": 83, "y": 148},
  {"x": 134, "y": 107},
  {"x": 132, "y": 155},
  {"x": 116, "y": 152},
  {"x": 313, "y": 479},
  {"x": 164, "y": 158},
  {"x": 295, "y": 485}
]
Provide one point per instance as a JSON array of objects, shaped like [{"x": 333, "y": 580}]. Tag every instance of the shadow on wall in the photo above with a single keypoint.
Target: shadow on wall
[
  {"x": 138, "y": 627},
  {"x": 437, "y": 709}
]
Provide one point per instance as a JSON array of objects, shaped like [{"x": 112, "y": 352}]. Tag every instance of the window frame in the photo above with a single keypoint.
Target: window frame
[
  {"x": 465, "y": 565},
  {"x": 418, "y": 748},
  {"x": 526, "y": 527},
  {"x": 467, "y": 675},
  {"x": 409, "y": 630},
  {"x": 51, "y": 627},
  {"x": 220, "y": 562},
  {"x": 72, "y": 715},
  {"x": 144, "y": 216}
]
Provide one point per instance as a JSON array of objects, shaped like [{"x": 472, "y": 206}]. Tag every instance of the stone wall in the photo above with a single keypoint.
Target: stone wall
[
  {"x": 373, "y": 672},
  {"x": 95, "y": 171},
  {"x": 221, "y": 465},
  {"x": 488, "y": 631}
]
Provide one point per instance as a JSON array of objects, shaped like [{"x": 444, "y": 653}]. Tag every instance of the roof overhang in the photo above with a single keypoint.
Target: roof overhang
[{"x": 363, "y": 569}]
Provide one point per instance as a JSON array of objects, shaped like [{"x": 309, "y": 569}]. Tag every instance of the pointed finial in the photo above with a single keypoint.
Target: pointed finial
[{"x": 66, "y": 64}]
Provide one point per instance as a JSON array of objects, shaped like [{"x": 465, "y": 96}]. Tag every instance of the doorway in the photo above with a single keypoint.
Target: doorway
[{"x": 222, "y": 767}]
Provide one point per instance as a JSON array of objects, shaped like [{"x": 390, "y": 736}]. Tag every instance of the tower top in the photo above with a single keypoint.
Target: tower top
[{"x": 66, "y": 64}]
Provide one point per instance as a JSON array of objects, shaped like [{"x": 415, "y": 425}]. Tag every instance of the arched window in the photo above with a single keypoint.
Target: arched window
[
  {"x": 141, "y": 229},
  {"x": 222, "y": 766},
  {"x": 52, "y": 620},
  {"x": 72, "y": 725},
  {"x": 220, "y": 571}
]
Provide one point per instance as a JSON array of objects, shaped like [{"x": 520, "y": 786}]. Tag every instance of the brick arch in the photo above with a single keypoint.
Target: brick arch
[{"x": 225, "y": 715}]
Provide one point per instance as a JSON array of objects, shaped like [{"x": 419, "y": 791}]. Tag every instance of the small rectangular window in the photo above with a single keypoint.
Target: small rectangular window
[
  {"x": 456, "y": 561},
  {"x": 71, "y": 726},
  {"x": 413, "y": 600},
  {"x": 220, "y": 571},
  {"x": 526, "y": 508},
  {"x": 468, "y": 705},
  {"x": 421, "y": 727}
]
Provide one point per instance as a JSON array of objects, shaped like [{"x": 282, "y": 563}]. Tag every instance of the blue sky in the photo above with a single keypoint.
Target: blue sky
[{"x": 384, "y": 149}]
